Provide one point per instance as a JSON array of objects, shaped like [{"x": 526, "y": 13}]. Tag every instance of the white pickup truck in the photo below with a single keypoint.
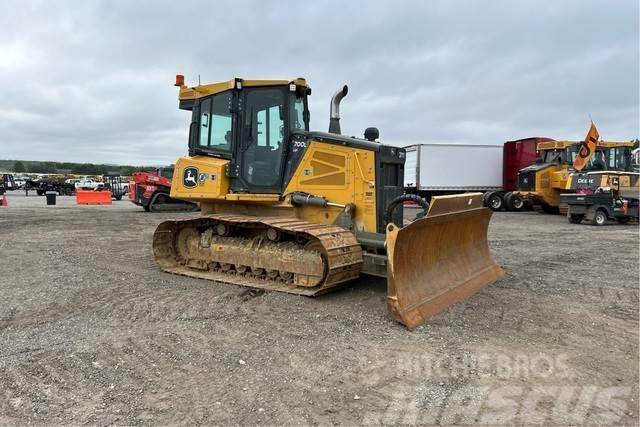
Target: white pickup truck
[{"x": 87, "y": 184}]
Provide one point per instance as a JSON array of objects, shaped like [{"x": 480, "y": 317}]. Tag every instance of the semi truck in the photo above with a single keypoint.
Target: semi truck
[{"x": 439, "y": 169}]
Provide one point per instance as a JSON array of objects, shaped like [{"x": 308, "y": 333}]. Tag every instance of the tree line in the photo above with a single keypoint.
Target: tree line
[{"x": 27, "y": 166}]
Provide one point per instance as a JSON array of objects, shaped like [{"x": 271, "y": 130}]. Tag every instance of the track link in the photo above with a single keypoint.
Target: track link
[{"x": 274, "y": 253}]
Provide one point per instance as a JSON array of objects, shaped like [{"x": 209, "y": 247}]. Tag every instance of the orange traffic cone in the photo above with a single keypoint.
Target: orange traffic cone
[{"x": 4, "y": 200}]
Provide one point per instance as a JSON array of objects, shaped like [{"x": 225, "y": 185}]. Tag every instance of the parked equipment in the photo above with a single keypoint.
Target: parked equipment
[
  {"x": 151, "y": 191},
  {"x": 6, "y": 183},
  {"x": 437, "y": 169},
  {"x": 113, "y": 182},
  {"x": 542, "y": 183},
  {"x": 605, "y": 186},
  {"x": 615, "y": 197},
  {"x": 635, "y": 159},
  {"x": 86, "y": 183},
  {"x": 41, "y": 186},
  {"x": 303, "y": 212}
]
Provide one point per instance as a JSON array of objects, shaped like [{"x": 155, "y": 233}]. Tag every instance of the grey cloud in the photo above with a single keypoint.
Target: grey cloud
[{"x": 92, "y": 81}]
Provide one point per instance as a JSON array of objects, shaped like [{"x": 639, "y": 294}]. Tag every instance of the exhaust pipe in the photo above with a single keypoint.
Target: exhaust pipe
[{"x": 334, "y": 116}]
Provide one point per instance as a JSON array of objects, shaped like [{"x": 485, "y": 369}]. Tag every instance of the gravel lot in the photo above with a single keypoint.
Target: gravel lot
[{"x": 91, "y": 331}]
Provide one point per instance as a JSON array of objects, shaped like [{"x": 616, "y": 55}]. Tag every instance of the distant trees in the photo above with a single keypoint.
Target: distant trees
[
  {"x": 27, "y": 166},
  {"x": 18, "y": 167}
]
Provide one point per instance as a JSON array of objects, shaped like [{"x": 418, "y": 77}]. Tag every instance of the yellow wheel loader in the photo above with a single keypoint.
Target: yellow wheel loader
[{"x": 290, "y": 210}]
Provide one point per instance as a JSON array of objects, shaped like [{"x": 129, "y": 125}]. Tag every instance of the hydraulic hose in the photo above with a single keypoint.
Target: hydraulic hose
[{"x": 400, "y": 199}]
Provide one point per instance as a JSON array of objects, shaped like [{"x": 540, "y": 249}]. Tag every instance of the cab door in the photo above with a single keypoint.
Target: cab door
[{"x": 264, "y": 134}]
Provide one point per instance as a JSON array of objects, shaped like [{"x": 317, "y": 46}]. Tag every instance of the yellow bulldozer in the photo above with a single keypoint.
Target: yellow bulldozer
[{"x": 290, "y": 210}]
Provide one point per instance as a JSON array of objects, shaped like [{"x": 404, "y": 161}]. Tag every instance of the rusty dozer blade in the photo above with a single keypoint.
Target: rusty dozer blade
[{"x": 439, "y": 260}]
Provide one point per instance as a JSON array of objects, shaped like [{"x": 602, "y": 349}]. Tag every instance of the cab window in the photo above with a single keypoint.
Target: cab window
[
  {"x": 205, "y": 115},
  {"x": 596, "y": 162},
  {"x": 551, "y": 156},
  {"x": 263, "y": 136},
  {"x": 571, "y": 153},
  {"x": 298, "y": 114},
  {"x": 618, "y": 158},
  {"x": 215, "y": 123}
]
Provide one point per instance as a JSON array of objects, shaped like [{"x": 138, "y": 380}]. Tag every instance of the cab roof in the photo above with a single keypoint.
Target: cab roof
[
  {"x": 557, "y": 145},
  {"x": 199, "y": 91}
]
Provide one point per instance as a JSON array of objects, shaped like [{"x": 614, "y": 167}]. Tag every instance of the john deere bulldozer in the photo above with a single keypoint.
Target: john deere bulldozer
[{"x": 287, "y": 209}]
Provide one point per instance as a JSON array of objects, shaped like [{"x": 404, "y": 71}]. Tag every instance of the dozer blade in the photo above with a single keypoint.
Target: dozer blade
[{"x": 439, "y": 260}]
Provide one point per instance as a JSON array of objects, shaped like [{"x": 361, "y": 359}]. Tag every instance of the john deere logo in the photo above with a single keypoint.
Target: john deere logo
[{"x": 190, "y": 177}]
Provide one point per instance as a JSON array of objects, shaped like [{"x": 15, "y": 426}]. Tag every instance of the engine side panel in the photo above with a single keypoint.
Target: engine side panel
[{"x": 342, "y": 175}]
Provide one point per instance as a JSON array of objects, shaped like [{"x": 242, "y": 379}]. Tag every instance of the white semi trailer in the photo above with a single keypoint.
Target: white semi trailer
[{"x": 436, "y": 169}]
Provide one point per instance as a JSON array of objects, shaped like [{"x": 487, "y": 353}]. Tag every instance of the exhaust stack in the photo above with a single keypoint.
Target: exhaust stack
[{"x": 334, "y": 116}]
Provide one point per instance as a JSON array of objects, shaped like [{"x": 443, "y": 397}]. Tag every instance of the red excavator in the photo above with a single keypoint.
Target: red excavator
[{"x": 150, "y": 189}]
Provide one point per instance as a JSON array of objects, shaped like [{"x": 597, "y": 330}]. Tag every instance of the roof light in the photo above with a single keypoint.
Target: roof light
[{"x": 179, "y": 80}]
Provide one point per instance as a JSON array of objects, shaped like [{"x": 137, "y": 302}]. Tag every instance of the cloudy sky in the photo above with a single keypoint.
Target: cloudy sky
[{"x": 92, "y": 80}]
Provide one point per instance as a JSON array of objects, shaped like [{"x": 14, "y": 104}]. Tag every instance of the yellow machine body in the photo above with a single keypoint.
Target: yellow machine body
[
  {"x": 339, "y": 174},
  {"x": 541, "y": 183},
  {"x": 334, "y": 211},
  {"x": 615, "y": 169}
]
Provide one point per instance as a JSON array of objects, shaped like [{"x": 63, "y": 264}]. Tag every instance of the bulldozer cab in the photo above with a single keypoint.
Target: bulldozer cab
[
  {"x": 556, "y": 154},
  {"x": 251, "y": 126},
  {"x": 614, "y": 156}
]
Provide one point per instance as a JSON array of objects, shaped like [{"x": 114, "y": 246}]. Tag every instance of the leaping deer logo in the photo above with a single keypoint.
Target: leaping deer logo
[{"x": 189, "y": 178}]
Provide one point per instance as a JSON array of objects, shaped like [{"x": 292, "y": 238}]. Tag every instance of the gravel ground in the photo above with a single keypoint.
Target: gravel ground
[{"x": 92, "y": 332}]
